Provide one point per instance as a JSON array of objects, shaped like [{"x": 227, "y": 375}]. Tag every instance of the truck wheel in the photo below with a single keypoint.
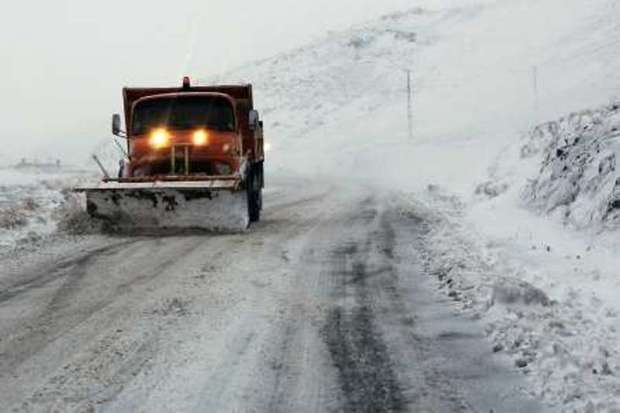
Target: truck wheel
[
  {"x": 254, "y": 208},
  {"x": 254, "y": 198},
  {"x": 260, "y": 199}
]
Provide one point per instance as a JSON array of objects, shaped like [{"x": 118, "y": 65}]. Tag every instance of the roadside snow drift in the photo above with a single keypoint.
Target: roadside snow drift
[
  {"x": 33, "y": 203},
  {"x": 577, "y": 180}
]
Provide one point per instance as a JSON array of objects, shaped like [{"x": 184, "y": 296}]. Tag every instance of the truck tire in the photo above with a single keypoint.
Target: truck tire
[
  {"x": 260, "y": 185},
  {"x": 255, "y": 211},
  {"x": 253, "y": 208},
  {"x": 254, "y": 196}
]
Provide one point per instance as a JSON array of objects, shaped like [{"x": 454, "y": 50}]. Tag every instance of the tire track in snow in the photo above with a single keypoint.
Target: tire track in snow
[
  {"x": 49, "y": 275},
  {"x": 65, "y": 310},
  {"x": 358, "y": 351}
]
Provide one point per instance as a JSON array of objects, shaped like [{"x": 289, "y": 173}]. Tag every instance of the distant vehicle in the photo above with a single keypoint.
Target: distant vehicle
[{"x": 194, "y": 160}]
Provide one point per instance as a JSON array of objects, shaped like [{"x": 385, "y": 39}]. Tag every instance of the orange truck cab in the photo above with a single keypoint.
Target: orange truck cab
[{"x": 193, "y": 133}]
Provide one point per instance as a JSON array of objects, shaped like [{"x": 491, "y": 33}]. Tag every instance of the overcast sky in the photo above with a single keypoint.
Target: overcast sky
[{"x": 64, "y": 62}]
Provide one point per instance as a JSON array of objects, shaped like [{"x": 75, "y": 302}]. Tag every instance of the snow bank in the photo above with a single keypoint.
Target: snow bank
[
  {"x": 543, "y": 309},
  {"x": 33, "y": 204},
  {"x": 546, "y": 221},
  {"x": 577, "y": 180},
  {"x": 548, "y": 216}
]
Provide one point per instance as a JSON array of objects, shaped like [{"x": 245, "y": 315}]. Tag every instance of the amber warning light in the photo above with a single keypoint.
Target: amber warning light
[
  {"x": 159, "y": 138},
  {"x": 200, "y": 137}
]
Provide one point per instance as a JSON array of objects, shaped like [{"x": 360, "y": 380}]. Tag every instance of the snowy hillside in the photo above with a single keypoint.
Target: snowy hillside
[
  {"x": 479, "y": 80},
  {"x": 302, "y": 90}
]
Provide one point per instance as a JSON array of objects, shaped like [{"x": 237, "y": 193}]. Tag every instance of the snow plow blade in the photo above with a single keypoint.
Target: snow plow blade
[{"x": 218, "y": 205}]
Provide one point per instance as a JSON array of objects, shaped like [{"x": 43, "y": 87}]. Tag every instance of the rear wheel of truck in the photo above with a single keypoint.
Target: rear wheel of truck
[
  {"x": 255, "y": 208},
  {"x": 255, "y": 197}
]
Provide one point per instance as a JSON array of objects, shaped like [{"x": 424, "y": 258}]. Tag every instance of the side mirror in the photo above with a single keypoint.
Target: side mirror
[
  {"x": 116, "y": 124},
  {"x": 253, "y": 121}
]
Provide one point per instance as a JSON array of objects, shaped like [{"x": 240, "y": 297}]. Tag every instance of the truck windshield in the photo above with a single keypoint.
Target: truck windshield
[{"x": 188, "y": 112}]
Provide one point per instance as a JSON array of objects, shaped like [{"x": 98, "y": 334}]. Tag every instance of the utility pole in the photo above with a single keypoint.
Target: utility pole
[
  {"x": 535, "y": 88},
  {"x": 409, "y": 105}
]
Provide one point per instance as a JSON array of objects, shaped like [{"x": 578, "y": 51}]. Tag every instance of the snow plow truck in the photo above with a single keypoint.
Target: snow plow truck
[{"x": 194, "y": 159}]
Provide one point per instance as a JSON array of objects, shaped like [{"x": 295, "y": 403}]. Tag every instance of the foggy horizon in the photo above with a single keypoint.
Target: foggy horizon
[{"x": 67, "y": 66}]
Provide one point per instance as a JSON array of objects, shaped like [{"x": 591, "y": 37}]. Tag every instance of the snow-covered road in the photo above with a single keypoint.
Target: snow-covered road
[
  {"x": 324, "y": 306},
  {"x": 346, "y": 298}
]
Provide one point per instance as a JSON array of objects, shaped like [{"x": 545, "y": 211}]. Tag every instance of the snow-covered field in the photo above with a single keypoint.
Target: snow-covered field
[
  {"x": 511, "y": 167},
  {"x": 33, "y": 202}
]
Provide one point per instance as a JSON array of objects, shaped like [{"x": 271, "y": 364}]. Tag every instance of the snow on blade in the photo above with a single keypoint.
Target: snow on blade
[{"x": 219, "y": 211}]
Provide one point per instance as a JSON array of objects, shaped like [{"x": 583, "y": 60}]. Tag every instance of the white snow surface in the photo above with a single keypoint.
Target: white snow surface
[
  {"x": 514, "y": 238},
  {"x": 577, "y": 180},
  {"x": 31, "y": 204},
  {"x": 547, "y": 216}
]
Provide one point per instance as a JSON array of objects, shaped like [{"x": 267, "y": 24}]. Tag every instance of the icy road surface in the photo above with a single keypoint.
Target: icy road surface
[{"x": 321, "y": 307}]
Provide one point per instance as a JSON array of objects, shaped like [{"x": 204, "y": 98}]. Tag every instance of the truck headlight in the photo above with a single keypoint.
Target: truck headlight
[
  {"x": 200, "y": 137},
  {"x": 160, "y": 138}
]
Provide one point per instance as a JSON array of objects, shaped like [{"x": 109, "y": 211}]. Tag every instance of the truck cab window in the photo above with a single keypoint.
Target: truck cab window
[{"x": 189, "y": 112}]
